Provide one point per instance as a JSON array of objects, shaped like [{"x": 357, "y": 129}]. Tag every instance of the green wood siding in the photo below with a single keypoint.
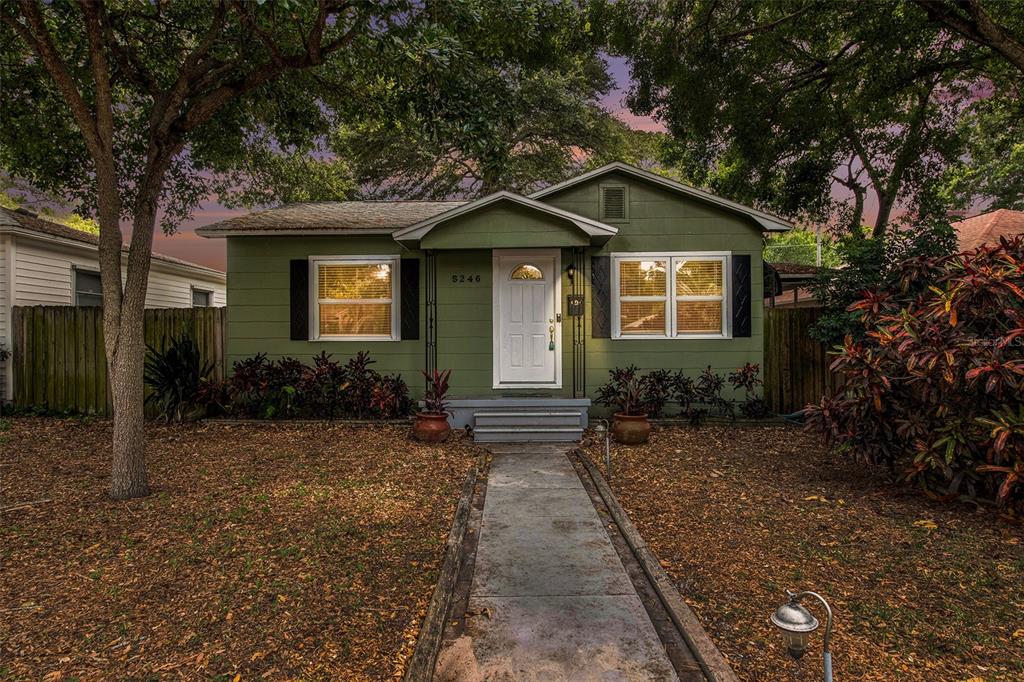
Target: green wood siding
[
  {"x": 659, "y": 220},
  {"x": 258, "y": 301},
  {"x": 503, "y": 226}
]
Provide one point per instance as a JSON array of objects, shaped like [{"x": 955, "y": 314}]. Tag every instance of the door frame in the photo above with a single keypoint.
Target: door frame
[{"x": 496, "y": 281}]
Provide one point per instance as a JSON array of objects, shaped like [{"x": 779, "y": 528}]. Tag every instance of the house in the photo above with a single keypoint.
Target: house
[
  {"x": 790, "y": 285},
  {"x": 46, "y": 263},
  {"x": 530, "y": 300},
  {"x": 986, "y": 229}
]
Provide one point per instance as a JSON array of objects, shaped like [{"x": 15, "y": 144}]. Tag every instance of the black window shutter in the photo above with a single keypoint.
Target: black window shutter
[
  {"x": 741, "y": 295},
  {"x": 300, "y": 300},
  {"x": 601, "y": 302},
  {"x": 410, "y": 295}
]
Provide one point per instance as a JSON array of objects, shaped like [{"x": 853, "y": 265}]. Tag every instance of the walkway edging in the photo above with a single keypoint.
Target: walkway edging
[
  {"x": 428, "y": 642},
  {"x": 704, "y": 650}
]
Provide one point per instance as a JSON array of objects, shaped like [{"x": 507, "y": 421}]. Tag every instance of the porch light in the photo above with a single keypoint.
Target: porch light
[
  {"x": 796, "y": 624},
  {"x": 571, "y": 271}
]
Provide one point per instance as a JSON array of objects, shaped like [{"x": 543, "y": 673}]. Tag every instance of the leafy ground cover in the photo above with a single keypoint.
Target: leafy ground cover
[
  {"x": 921, "y": 590},
  {"x": 265, "y": 552}
]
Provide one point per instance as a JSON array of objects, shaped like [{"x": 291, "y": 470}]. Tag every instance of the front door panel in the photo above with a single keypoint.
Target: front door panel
[{"x": 527, "y": 342}]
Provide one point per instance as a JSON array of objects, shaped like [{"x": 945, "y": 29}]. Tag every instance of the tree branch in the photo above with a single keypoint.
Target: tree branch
[
  {"x": 742, "y": 33},
  {"x": 977, "y": 26},
  {"x": 37, "y": 36},
  {"x": 204, "y": 106}
]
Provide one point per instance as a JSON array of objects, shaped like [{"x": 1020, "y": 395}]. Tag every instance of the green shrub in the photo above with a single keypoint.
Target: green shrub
[{"x": 174, "y": 376}]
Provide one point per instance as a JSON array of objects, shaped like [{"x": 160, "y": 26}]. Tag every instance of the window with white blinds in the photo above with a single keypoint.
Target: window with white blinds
[
  {"x": 355, "y": 299},
  {"x": 672, "y": 295}
]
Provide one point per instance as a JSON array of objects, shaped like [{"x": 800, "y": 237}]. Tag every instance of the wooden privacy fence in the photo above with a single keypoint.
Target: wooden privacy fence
[
  {"x": 795, "y": 365},
  {"x": 58, "y": 359}
]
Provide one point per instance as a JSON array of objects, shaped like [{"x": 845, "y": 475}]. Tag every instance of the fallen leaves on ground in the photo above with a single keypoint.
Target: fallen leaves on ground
[
  {"x": 264, "y": 552},
  {"x": 921, "y": 590}
]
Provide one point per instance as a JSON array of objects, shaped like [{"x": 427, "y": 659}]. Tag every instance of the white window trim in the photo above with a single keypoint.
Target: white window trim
[
  {"x": 314, "y": 303},
  {"x": 670, "y": 297}
]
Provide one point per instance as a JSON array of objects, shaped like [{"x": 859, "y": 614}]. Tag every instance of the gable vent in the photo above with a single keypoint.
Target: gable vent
[{"x": 613, "y": 203}]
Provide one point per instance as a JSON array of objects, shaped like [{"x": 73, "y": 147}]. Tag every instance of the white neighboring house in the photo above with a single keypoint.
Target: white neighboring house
[{"x": 46, "y": 263}]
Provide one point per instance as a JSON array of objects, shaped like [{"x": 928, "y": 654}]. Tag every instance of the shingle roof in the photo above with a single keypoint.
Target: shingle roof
[
  {"x": 987, "y": 228},
  {"x": 329, "y": 216},
  {"x": 31, "y": 223}
]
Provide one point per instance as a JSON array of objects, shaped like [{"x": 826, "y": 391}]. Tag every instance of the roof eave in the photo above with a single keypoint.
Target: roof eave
[{"x": 290, "y": 232}]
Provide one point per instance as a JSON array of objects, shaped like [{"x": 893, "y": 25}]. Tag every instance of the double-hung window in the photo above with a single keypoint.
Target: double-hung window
[
  {"x": 355, "y": 298},
  {"x": 670, "y": 295}
]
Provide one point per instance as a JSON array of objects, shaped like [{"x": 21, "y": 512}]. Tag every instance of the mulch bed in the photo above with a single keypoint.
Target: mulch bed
[
  {"x": 265, "y": 552},
  {"x": 921, "y": 590}
]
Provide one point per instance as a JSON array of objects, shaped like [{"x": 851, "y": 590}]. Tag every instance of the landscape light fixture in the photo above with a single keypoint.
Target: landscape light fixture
[{"x": 797, "y": 623}]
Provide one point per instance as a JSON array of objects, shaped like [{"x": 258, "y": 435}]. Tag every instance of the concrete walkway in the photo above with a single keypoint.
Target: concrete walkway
[{"x": 550, "y": 599}]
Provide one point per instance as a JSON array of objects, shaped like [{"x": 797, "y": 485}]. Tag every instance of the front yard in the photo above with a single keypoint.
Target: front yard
[
  {"x": 921, "y": 590},
  {"x": 277, "y": 551}
]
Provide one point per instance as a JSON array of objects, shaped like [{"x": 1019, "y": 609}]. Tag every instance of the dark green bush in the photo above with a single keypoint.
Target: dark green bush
[{"x": 174, "y": 376}]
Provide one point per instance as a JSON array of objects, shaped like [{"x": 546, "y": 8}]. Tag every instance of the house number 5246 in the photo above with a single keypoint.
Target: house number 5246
[{"x": 465, "y": 279}]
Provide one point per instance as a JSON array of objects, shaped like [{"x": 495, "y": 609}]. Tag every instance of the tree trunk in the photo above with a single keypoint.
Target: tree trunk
[
  {"x": 124, "y": 333},
  {"x": 128, "y": 472},
  {"x": 885, "y": 203},
  {"x": 858, "y": 211}
]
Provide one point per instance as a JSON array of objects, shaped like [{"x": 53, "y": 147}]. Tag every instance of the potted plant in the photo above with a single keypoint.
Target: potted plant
[
  {"x": 633, "y": 397},
  {"x": 431, "y": 425}
]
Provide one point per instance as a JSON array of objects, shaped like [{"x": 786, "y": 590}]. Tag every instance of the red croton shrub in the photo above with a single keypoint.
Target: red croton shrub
[{"x": 934, "y": 390}]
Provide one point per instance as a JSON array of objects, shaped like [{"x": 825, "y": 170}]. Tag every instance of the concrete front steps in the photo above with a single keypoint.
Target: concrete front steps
[{"x": 502, "y": 420}]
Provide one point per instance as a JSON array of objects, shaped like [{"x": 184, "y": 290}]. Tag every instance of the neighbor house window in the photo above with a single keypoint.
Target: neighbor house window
[
  {"x": 672, "y": 295},
  {"x": 87, "y": 288},
  {"x": 201, "y": 299},
  {"x": 355, "y": 298}
]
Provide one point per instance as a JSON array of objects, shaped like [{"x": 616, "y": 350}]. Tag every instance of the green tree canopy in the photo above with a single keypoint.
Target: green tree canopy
[
  {"x": 515, "y": 105},
  {"x": 791, "y": 103}
]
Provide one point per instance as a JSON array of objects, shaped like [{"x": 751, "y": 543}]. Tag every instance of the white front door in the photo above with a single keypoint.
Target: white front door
[{"x": 527, "y": 344}]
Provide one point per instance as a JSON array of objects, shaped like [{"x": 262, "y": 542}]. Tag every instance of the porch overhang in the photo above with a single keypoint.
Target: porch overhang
[{"x": 538, "y": 225}]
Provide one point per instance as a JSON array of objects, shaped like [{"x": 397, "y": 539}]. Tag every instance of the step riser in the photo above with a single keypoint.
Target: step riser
[
  {"x": 517, "y": 421},
  {"x": 526, "y": 437}
]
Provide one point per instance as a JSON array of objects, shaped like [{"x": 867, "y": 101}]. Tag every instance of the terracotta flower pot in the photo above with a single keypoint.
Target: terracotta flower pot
[
  {"x": 630, "y": 429},
  {"x": 431, "y": 428}
]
